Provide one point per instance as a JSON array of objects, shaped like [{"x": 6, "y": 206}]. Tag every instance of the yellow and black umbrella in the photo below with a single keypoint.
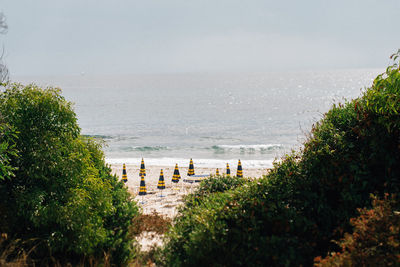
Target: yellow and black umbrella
[
  {"x": 124, "y": 176},
  {"x": 176, "y": 177},
  {"x": 142, "y": 189},
  {"x": 239, "y": 172},
  {"x": 161, "y": 183},
  {"x": 142, "y": 169},
  {"x": 191, "y": 168},
  {"x": 228, "y": 171}
]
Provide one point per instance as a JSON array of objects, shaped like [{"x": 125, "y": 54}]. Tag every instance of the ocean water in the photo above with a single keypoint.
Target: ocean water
[{"x": 212, "y": 118}]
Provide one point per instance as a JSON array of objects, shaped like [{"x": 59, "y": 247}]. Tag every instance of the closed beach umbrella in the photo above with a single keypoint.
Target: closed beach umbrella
[
  {"x": 217, "y": 172},
  {"x": 191, "y": 168},
  {"x": 124, "y": 176},
  {"x": 176, "y": 176},
  {"x": 239, "y": 172},
  {"x": 228, "y": 171},
  {"x": 161, "y": 183},
  {"x": 142, "y": 169},
  {"x": 142, "y": 189}
]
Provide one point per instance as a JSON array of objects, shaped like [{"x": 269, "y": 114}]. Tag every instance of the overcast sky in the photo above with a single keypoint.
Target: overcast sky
[{"x": 168, "y": 36}]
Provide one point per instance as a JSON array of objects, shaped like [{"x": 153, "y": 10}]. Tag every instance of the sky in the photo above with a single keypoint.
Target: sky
[{"x": 68, "y": 37}]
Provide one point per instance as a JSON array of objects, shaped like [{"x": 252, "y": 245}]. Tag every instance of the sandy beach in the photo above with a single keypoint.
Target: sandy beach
[
  {"x": 173, "y": 193},
  {"x": 165, "y": 202}
]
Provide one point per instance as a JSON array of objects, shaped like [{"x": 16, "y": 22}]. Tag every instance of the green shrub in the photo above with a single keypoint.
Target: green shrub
[
  {"x": 291, "y": 216},
  {"x": 215, "y": 184},
  {"x": 375, "y": 240},
  {"x": 249, "y": 225},
  {"x": 188, "y": 242},
  {"x": 62, "y": 193},
  {"x": 7, "y": 150}
]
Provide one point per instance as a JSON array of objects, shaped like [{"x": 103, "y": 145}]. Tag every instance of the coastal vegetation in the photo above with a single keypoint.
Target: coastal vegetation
[
  {"x": 333, "y": 203},
  {"x": 58, "y": 198},
  {"x": 291, "y": 216},
  {"x": 375, "y": 239}
]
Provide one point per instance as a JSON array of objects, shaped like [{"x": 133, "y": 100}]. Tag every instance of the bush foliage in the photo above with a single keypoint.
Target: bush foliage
[
  {"x": 7, "y": 150},
  {"x": 291, "y": 216},
  {"x": 375, "y": 240},
  {"x": 61, "y": 192},
  {"x": 216, "y": 184}
]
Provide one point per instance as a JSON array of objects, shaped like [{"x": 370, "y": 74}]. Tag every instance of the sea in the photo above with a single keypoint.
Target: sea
[{"x": 212, "y": 118}]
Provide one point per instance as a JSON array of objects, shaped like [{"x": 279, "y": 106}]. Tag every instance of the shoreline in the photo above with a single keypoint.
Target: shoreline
[
  {"x": 174, "y": 192},
  {"x": 172, "y": 196},
  {"x": 165, "y": 162}
]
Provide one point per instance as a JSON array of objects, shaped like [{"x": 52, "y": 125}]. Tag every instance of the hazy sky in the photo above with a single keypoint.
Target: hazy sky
[{"x": 157, "y": 36}]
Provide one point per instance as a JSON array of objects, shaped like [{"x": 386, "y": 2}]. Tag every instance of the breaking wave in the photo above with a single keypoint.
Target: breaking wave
[
  {"x": 267, "y": 148},
  {"x": 143, "y": 148},
  {"x": 208, "y": 163}
]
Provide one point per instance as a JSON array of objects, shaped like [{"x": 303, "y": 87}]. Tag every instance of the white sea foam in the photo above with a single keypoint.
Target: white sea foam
[
  {"x": 205, "y": 163},
  {"x": 251, "y": 147}
]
